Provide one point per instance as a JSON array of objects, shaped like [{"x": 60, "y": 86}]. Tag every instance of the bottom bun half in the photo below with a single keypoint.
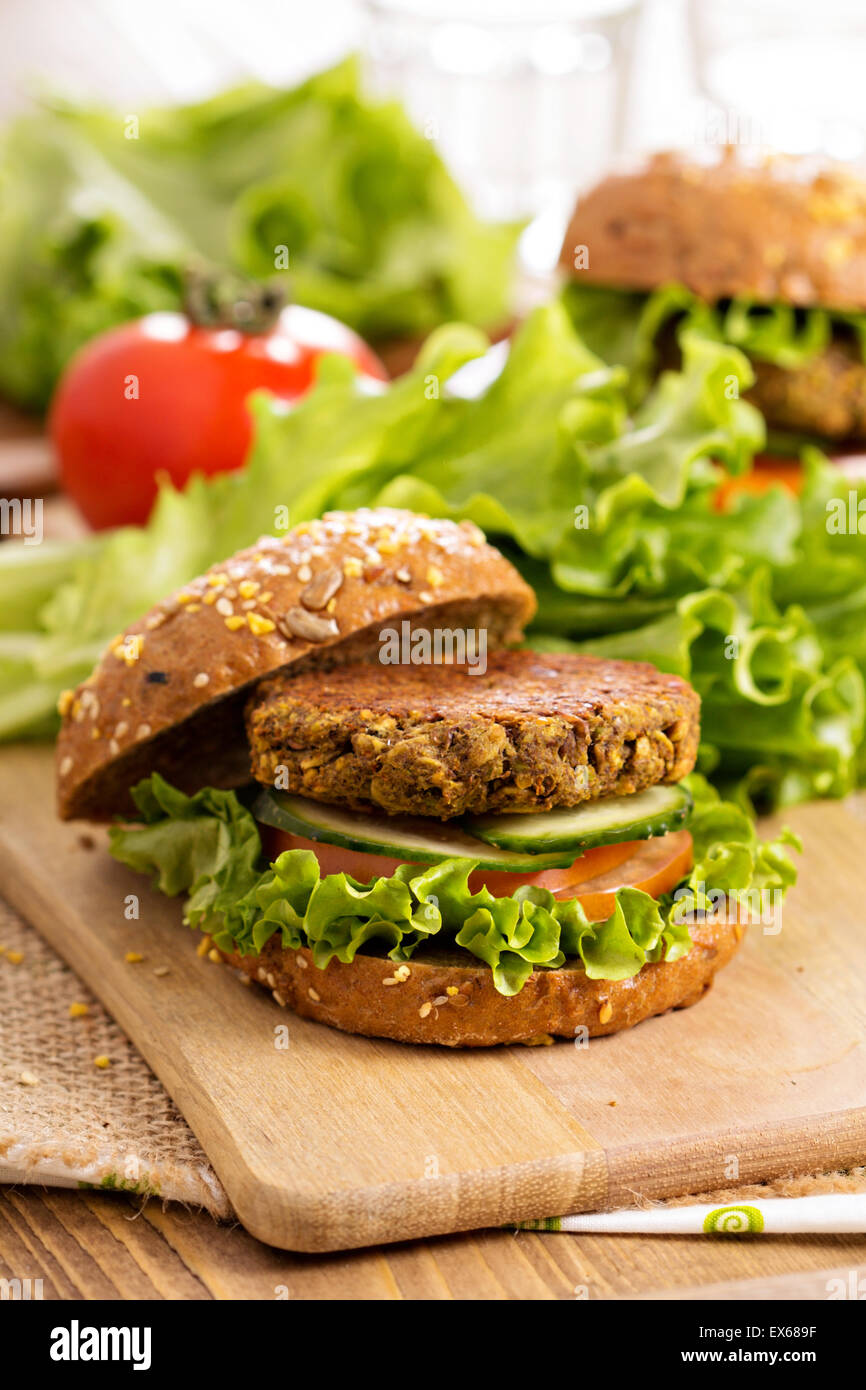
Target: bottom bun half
[{"x": 444, "y": 997}]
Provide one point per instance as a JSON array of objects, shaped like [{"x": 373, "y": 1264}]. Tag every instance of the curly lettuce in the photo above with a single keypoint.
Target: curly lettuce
[
  {"x": 610, "y": 511},
  {"x": 207, "y": 847},
  {"x": 622, "y": 326}
]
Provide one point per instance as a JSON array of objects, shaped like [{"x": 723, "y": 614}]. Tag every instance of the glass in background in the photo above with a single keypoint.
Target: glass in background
[
  {"x": 784, "y": 74},
  {"x": 527, "y": 102}
]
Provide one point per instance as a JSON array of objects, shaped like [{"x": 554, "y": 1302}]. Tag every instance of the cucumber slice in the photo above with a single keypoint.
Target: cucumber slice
[
  {"x": 606, "y": 822},
  {"x": 417, "y": 841}
]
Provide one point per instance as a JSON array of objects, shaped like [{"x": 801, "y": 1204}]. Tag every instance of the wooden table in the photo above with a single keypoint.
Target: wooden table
[
  {"x": 86, "y": 1245},
  {"x": 106, "y": 1246}
]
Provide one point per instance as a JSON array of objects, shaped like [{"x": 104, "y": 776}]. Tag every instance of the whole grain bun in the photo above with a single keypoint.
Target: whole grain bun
[
  {"x": 168, "y": 694},
  {"x": 412, "y": 1004},
  {"x": 782, "y": 229}
]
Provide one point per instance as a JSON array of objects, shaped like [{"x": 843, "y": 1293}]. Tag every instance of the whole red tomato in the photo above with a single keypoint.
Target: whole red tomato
[{"x": 162, "y": 395}]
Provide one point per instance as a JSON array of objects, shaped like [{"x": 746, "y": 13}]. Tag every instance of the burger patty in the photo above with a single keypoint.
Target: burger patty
[
  {"x": 826, "y": 396},
  {"x": 534, "y": 732}
]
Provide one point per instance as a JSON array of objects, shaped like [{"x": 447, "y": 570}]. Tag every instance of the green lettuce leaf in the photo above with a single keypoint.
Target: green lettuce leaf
[
  {"x": 621, "y": 326},
  {"x": 207, "y": 847},
  {"x": 608, "y": 509},
  {"x": 99, "y": 220}
]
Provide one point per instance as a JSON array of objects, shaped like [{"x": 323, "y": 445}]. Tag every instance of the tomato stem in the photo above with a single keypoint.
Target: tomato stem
[{"x": 224, "y": 299}]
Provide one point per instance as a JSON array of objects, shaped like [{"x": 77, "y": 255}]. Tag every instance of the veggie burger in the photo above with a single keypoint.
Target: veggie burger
[
  {"x": 767, "y": 254},
  {"x": 445, "y": 850}
]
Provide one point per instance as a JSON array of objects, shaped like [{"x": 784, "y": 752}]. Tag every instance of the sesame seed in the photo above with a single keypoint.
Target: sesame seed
[
  {"x": 275, "y": 994},
  {"x": 313, "y": 995},
  {"x": 224, "y": 607},
  {"x": 425, "y": 596},
  {"x": 838, "y": 250},
  {"x": 66, "y": 767},
  {"x": 305, "y": 574},
  {"x": 302, "y": 963},
  {"x": 28, "y": 1079},
  {"x": 440, "y": 999},
  {"x": 425, "y": 1009},
  {"x": 120, "y": 729},
  {"x": 113, "y": 747},
  {"x": 389, "y": 980},
  {"x": 201, "y": 680},
  {"x": 143, "y": 731},
  {"x": 162, "y": 970},
  {"x": 271, "y": 979}
]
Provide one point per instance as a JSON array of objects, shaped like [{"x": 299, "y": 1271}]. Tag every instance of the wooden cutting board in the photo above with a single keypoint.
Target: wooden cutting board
[{"x": 337, "y": 1141}]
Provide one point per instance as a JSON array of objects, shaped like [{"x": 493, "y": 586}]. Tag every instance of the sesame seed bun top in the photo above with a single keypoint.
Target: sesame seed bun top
[
  {"x": 774, "y": 229},
  {"x": 168, "y": 693}
]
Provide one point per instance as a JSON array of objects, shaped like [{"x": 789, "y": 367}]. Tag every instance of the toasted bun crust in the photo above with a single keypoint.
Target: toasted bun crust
[
  {"x": 782, "y": 230},
  {"x": 358, "y": 998},
  {"x": 168, "y": 694}
]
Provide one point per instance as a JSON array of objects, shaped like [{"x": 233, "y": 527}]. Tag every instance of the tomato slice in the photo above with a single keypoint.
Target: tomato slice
[
  {"x": 767, "y": 470},
  {"x": 589, "y": 865},
  {"x": 655, "y": 866}
]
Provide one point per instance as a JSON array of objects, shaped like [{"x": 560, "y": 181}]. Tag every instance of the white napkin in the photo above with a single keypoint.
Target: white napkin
[{"x": 776, "y": 1216}]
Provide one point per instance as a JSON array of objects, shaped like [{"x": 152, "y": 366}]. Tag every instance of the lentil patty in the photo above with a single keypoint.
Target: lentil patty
[
  {"x": 826, "y": 396},
  {"x": 534, "y": 732}
]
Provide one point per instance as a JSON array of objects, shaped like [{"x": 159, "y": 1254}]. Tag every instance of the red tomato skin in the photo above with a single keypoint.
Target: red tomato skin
[
  {"x": 359, "y": 864},
  {"x": 162, "y": 396}
]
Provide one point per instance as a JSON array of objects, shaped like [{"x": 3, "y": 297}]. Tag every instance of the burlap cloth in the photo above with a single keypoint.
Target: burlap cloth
[{"x": 66, "y": 1122}]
